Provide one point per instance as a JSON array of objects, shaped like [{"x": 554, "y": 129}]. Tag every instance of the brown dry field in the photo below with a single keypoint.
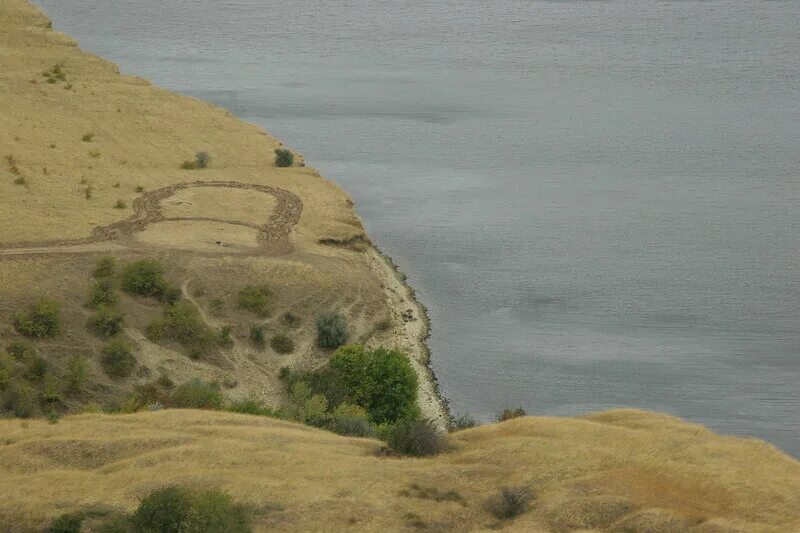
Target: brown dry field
[
  {"x": 624, "y": 471},
  {"x": 615, "y": 471}
]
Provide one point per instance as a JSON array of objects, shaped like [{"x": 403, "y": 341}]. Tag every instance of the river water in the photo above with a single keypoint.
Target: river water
[{"x": 597, "y": 201}]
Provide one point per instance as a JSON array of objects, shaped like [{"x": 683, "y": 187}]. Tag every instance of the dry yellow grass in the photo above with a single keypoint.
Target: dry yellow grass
[{"x": 621, "y": 470}]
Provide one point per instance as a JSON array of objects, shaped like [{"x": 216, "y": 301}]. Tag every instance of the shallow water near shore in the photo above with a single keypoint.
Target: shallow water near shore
[{"x": 598, "y": 202}]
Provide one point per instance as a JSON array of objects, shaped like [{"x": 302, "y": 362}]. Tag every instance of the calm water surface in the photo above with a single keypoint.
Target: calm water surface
[{"x": 599, "y": 202}]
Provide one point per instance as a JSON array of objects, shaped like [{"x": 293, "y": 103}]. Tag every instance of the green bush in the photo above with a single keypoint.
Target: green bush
[
  {"x": 106, "y": 322},
  {"x": 283, "y": 157},
  {"x": 67, "y": 523},
  {"x": 197, "y": 394},
  {"x": 19, "y": 349},
  {"x": 254, "y": 299},
  {"x": 145, "y": 277},
  {"x": 510, "y": 502},
  {"x": 105, "y": 268},
  {"x": 7, "y": 370},
  {"x": 508, "y": 414},
  {"x": 463, "y": 422},
  {"x": 120, "y": 204},
  {"x": 282, "y": 343},
  {"x": 20, "y": 399},
  {"x": 202, "y": 159},
  {"x": 305, "y": 407},
  {"x": 380, "y": 380},
  {"x": 102, "y": 294},
  {"x": 331, "y": 330},
  {"x": 117, "y": 360},
  {"x": 176, "y": 509},
  {"x": 36, "y": 367},
  {"x": 257, "y": 335},
  {"x": 250, "y": 406},
  {"x": 183, "y": 323},
  {"x": 43, "y": 319},
  {"x": 415, "y": 437},
  {"x": 189, "y": 165},
  {"x": 224, "y": 338},
  {"x": 77, "y": 371},
  {"x": 349, "y": 419}
]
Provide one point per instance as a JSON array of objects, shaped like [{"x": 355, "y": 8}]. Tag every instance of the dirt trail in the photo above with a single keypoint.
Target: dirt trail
[{"x": 272, "y": 236}]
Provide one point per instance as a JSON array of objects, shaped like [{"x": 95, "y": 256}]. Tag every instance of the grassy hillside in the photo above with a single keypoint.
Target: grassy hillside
[{"x": 615, "y": 471}]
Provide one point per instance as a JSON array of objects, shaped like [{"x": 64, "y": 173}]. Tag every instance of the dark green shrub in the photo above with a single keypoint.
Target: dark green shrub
[
  {"x": 120, "y": 204},
  {"x": 36, "y": 367},
  {"x": 43, "y": 319},
  {"x": 88, "y": 137},
  {"x": 510, "y": 502},
  {"x": 77, "y": 371},
  {"x": 415, "y": 437},
  {"x": 106, "y": 322},
  {"x": 202, "y": 159},
  {"x": 381, "y": 380},
  {"x": 139, "y": 188},
  {"x": 283, "y": 157},
  {"x": 189, "y": 165},
  {"x": 67, "y": 523},
  {"x": 331, "y": 330},
  {"x": 257, "y": 335},
  {"x": 144, "y": 277},
  {"x": 102, "y": 294},
  {"x": 117, "y": 360},
  {"x": 282, "y": 343},
  {"x": 508, "y": 414},
  {"x": 197, "y": 394},
  {"x": 349, "y": 419},
  {"x": 254, "y": 299},
  {"x": 175, "y": 509},
  {"x": 105, "y": 268},
  {"x": 463, "y": 422}
]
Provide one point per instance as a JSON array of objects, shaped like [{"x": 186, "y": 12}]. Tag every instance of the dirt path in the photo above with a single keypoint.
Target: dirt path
[{"x": 272, "y": 236}]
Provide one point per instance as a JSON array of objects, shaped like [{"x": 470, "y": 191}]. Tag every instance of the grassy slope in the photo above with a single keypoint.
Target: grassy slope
[
  {"x": 642, "y": 470},
  {"x": 611, "y": 468}
]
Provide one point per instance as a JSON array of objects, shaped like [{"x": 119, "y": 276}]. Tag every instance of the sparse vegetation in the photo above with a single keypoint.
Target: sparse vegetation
[
  {"x": 87, "y": 138},
  {"x": 95, "y": 154},
  {"x": 417, "y": 438},
  {"x": 254, "y": 299},
  {"x": 290, "y": 320},
  {"x": 282, "y": 343},
  {"x": 508, "y": 414},
  {"x": 224, "y": 338},
  {"x": 331, "y": 330},
  {"x": 216, "y": 305},
  {"x": 77, "y": 372},
  {"x": 117, "y": 360},
  {"x": 415, "y": 490},
  {"x": 139, "y": 188},
  {"x": 283, "y": 157},
  {"x": 43, "y": 319},
  {"x": 197, "y": 394},
  {"x": 106, "y": 322},
  {"x": 120, "y": 204},
  {"x": 510, "y": 502}
]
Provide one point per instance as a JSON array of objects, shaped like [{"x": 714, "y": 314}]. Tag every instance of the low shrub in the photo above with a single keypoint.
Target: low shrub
[
  {"x": 20, "y": 400},
  {"x": 183, "y": 323},
  {"x": 282, "y": 343},
  {"x": 257, "y": 335},
  {"x": 224, "y": 338},
  {"x": 77, "y": 372},
  {"x": 250, "y": 406},
  {"x": 202, "y": 159},
  {"x": 43, "y": 319},
  {"x": 189, "y": 165},
  {"x": 120, "y": 204},
  {"x": 462, "y": 422},
  {"x": 105, "y": 267},
  {"x": 331, "y": 330},
  {"x": 418, "y": 438},
  {"x": 175, "y": 509},
  {"x": 67, "y": 523},
  {"x": 117, "y": 360},
  {"x": 19, "y": 349},
  {"x": 106, "y": 322},
  {"x": 508, "y": 414},
  {"x": 139, "y": 188},
  {"x": 36, "y": 367},
  {"x": 197, "y": 394},
  {"x": 510, "y": 502},
  {"x": 416, "y": 490},
  {"x": 254, "y": 299},
  {"x": 102, "y": 294},
  {"x": 305, "y": 407},
  {"x": 88, "y": 137},
  {"x": 216, "y": 305},
  {"x": 145, "y": 277},
  {"x": 352, "y": 420},
  {"x": 290, "y": 320},
  {"x": 283, "y": 157}
]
